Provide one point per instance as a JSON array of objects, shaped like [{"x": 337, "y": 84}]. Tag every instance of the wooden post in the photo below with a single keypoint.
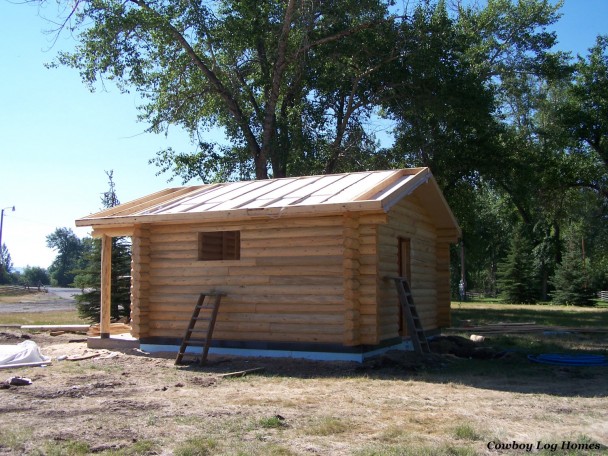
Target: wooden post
[{"x": 106, "y": 286}]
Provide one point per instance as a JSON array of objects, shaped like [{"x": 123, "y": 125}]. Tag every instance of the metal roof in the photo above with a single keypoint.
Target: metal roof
[{"x": 368, "y": 190}]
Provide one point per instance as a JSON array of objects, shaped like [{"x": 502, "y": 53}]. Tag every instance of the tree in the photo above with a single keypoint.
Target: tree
[
  {"x": 516, "y": 275},
  {"x": 89, "y": 277},
  {"x": 256, "y": 69},
  {"x": 35, "y": 276},
  {"x": 572, "y": 278},
  {"x": 69, "y": 249},
  {"x": 6, "y": 265},
  {"x": 586, "y": 111}
]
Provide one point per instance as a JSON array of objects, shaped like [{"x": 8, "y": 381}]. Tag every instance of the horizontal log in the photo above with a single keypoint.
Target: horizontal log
[
  {"x": 312, "y": 260},
  {"x": 291, "y": 242},
  {"x": 293, "y": 270},
  {"x": 275, "y": 300},
  {"x": 187, "y": 255},
  {"x": 292, "y": 233},
  {"x": 293, "y": 250},
  {"x": 302, "y": 319},
  {"x": 206, "y": 267},
  {"x": 329, "y": 307},
  {"x": 215, "y": 281},
  {"x": 302, "y": 280},
  {"x": 174, "y": 238},
  {"x": 320, "y": 291}
]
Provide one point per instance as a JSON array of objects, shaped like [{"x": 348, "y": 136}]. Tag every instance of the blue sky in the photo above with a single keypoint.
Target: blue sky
[{"x": 57, "y": 138}]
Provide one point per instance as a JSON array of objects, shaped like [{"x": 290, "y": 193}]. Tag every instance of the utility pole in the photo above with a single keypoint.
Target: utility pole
[{"x": 2, "y": 223}]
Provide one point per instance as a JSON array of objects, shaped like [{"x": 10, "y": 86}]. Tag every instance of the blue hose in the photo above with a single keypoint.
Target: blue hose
[{"x": 570, "y": 360}]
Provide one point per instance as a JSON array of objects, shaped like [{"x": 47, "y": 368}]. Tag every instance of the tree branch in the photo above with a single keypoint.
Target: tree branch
[{"x": 231, "y": 104}]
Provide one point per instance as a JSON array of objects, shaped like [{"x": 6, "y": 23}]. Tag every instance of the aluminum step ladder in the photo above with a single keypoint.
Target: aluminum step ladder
[
  {"x": 210, "y": 308},
  {"x": 414, "y": 324}
]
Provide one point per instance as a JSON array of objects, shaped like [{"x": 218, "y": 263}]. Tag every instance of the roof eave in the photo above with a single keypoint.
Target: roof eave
[{"x": 232, "y": 215}]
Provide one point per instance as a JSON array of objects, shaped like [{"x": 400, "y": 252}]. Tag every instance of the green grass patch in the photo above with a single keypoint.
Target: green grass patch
[
  {"x": 197, "y": 446},
  {"x": 14, "y": 439},
  {"x": 67, "y": 448},
  {"x": 328, "y": 426},
  {"x": 60, "y": 317},
  {"x": 409, "y": 450},
  {"x": 139, "y": 448},
  {"x": 547, "y": 315},
  {"x": 273, "y": 422},
  {"x": 466, "y": 431}
]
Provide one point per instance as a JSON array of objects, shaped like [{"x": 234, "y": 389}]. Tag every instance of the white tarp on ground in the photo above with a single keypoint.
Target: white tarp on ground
[{"x": 24, "y": 353}]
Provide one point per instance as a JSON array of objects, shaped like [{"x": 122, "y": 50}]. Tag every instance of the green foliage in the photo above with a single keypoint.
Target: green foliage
[
  {"x": 571, "y": 279},
  {"x": 197, "y": 446},
  {"x": 513, "y": 132},
  {"x": 516, "y": 275},
  {"x": 89, "y": 277},
  {"x": 283, "y": 80},
  {"x": 69, "y": 249},
  {"x": 6, "y": 265},
  {"x": 585, "y": 111},
  {"x": 272, "y": 422},
  {"x": 35, "y": 276},
  {"x": 466, "y": 431}
]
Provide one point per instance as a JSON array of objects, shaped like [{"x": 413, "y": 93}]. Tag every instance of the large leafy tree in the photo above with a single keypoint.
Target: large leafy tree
[
  {"x": 69, "y": 249},
  {"x": 257, "y": 69},
  {"x": 584, "y": 114},
  {"x": 35, "y": 276}
]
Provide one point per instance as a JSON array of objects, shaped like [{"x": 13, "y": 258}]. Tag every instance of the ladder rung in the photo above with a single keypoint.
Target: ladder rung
[{"x": 208, "y": 317}]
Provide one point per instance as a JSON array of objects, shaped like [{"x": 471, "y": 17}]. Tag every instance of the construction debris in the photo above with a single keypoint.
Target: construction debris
[{"x": 115, "y": 328}]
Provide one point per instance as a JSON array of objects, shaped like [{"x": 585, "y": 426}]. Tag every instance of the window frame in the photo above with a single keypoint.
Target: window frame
[{"x": 219, "y": 245}]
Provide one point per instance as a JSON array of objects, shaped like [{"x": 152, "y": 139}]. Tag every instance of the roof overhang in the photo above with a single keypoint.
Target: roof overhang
[{"x": 370, "y": 192}]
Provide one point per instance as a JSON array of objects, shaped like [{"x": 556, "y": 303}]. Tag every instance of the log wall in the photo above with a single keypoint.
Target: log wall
[
  {"x": 407, "y": 219},
  {"x": 140, "y": 283},
  {"x": 289, "y": 284}
]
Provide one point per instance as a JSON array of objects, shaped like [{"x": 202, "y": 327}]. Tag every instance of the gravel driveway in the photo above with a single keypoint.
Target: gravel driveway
[{"x": 55, "y": 299}]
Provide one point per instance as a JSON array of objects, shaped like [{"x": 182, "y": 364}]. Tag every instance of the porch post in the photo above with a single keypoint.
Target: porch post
[{"x": 106, "y": 286}]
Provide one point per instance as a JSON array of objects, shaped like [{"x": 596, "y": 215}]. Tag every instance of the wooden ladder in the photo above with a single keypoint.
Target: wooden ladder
[
  {"x": 209, "y": 317},
  {"x": 414, "y": 324}
]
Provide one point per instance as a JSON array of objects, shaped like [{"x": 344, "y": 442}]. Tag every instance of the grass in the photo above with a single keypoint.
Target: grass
[
  {"x": 67, "y": 448},
  {"x": 197, "y": 446},
  {"x": 481, "y": 313},
  {"x": 256, "y": 430},
  {"x": 409, "y": 450},
  {"x": 59, "y": 317},
  {"x": 328, "y": 425},
  {"x": 14, "y": 439},
  {"x": 273, "y": 422},
  {"x": 466, "y": 431}
]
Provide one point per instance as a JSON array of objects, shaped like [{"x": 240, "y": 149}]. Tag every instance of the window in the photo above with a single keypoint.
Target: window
[{"x": 219, "y": 245}]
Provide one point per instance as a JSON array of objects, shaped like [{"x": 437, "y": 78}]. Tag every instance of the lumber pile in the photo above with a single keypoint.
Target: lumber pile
[{"x": 115, "y": 328}]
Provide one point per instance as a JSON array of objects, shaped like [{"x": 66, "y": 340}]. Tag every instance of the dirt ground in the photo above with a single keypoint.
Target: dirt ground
[{"x": 128, "y": 402}]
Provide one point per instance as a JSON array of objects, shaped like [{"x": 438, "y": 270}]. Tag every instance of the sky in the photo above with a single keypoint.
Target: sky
[{"x": 57, "y": 138}]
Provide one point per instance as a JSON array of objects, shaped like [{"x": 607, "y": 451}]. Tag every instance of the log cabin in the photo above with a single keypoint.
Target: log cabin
[{"x": 302, "y": 262}]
